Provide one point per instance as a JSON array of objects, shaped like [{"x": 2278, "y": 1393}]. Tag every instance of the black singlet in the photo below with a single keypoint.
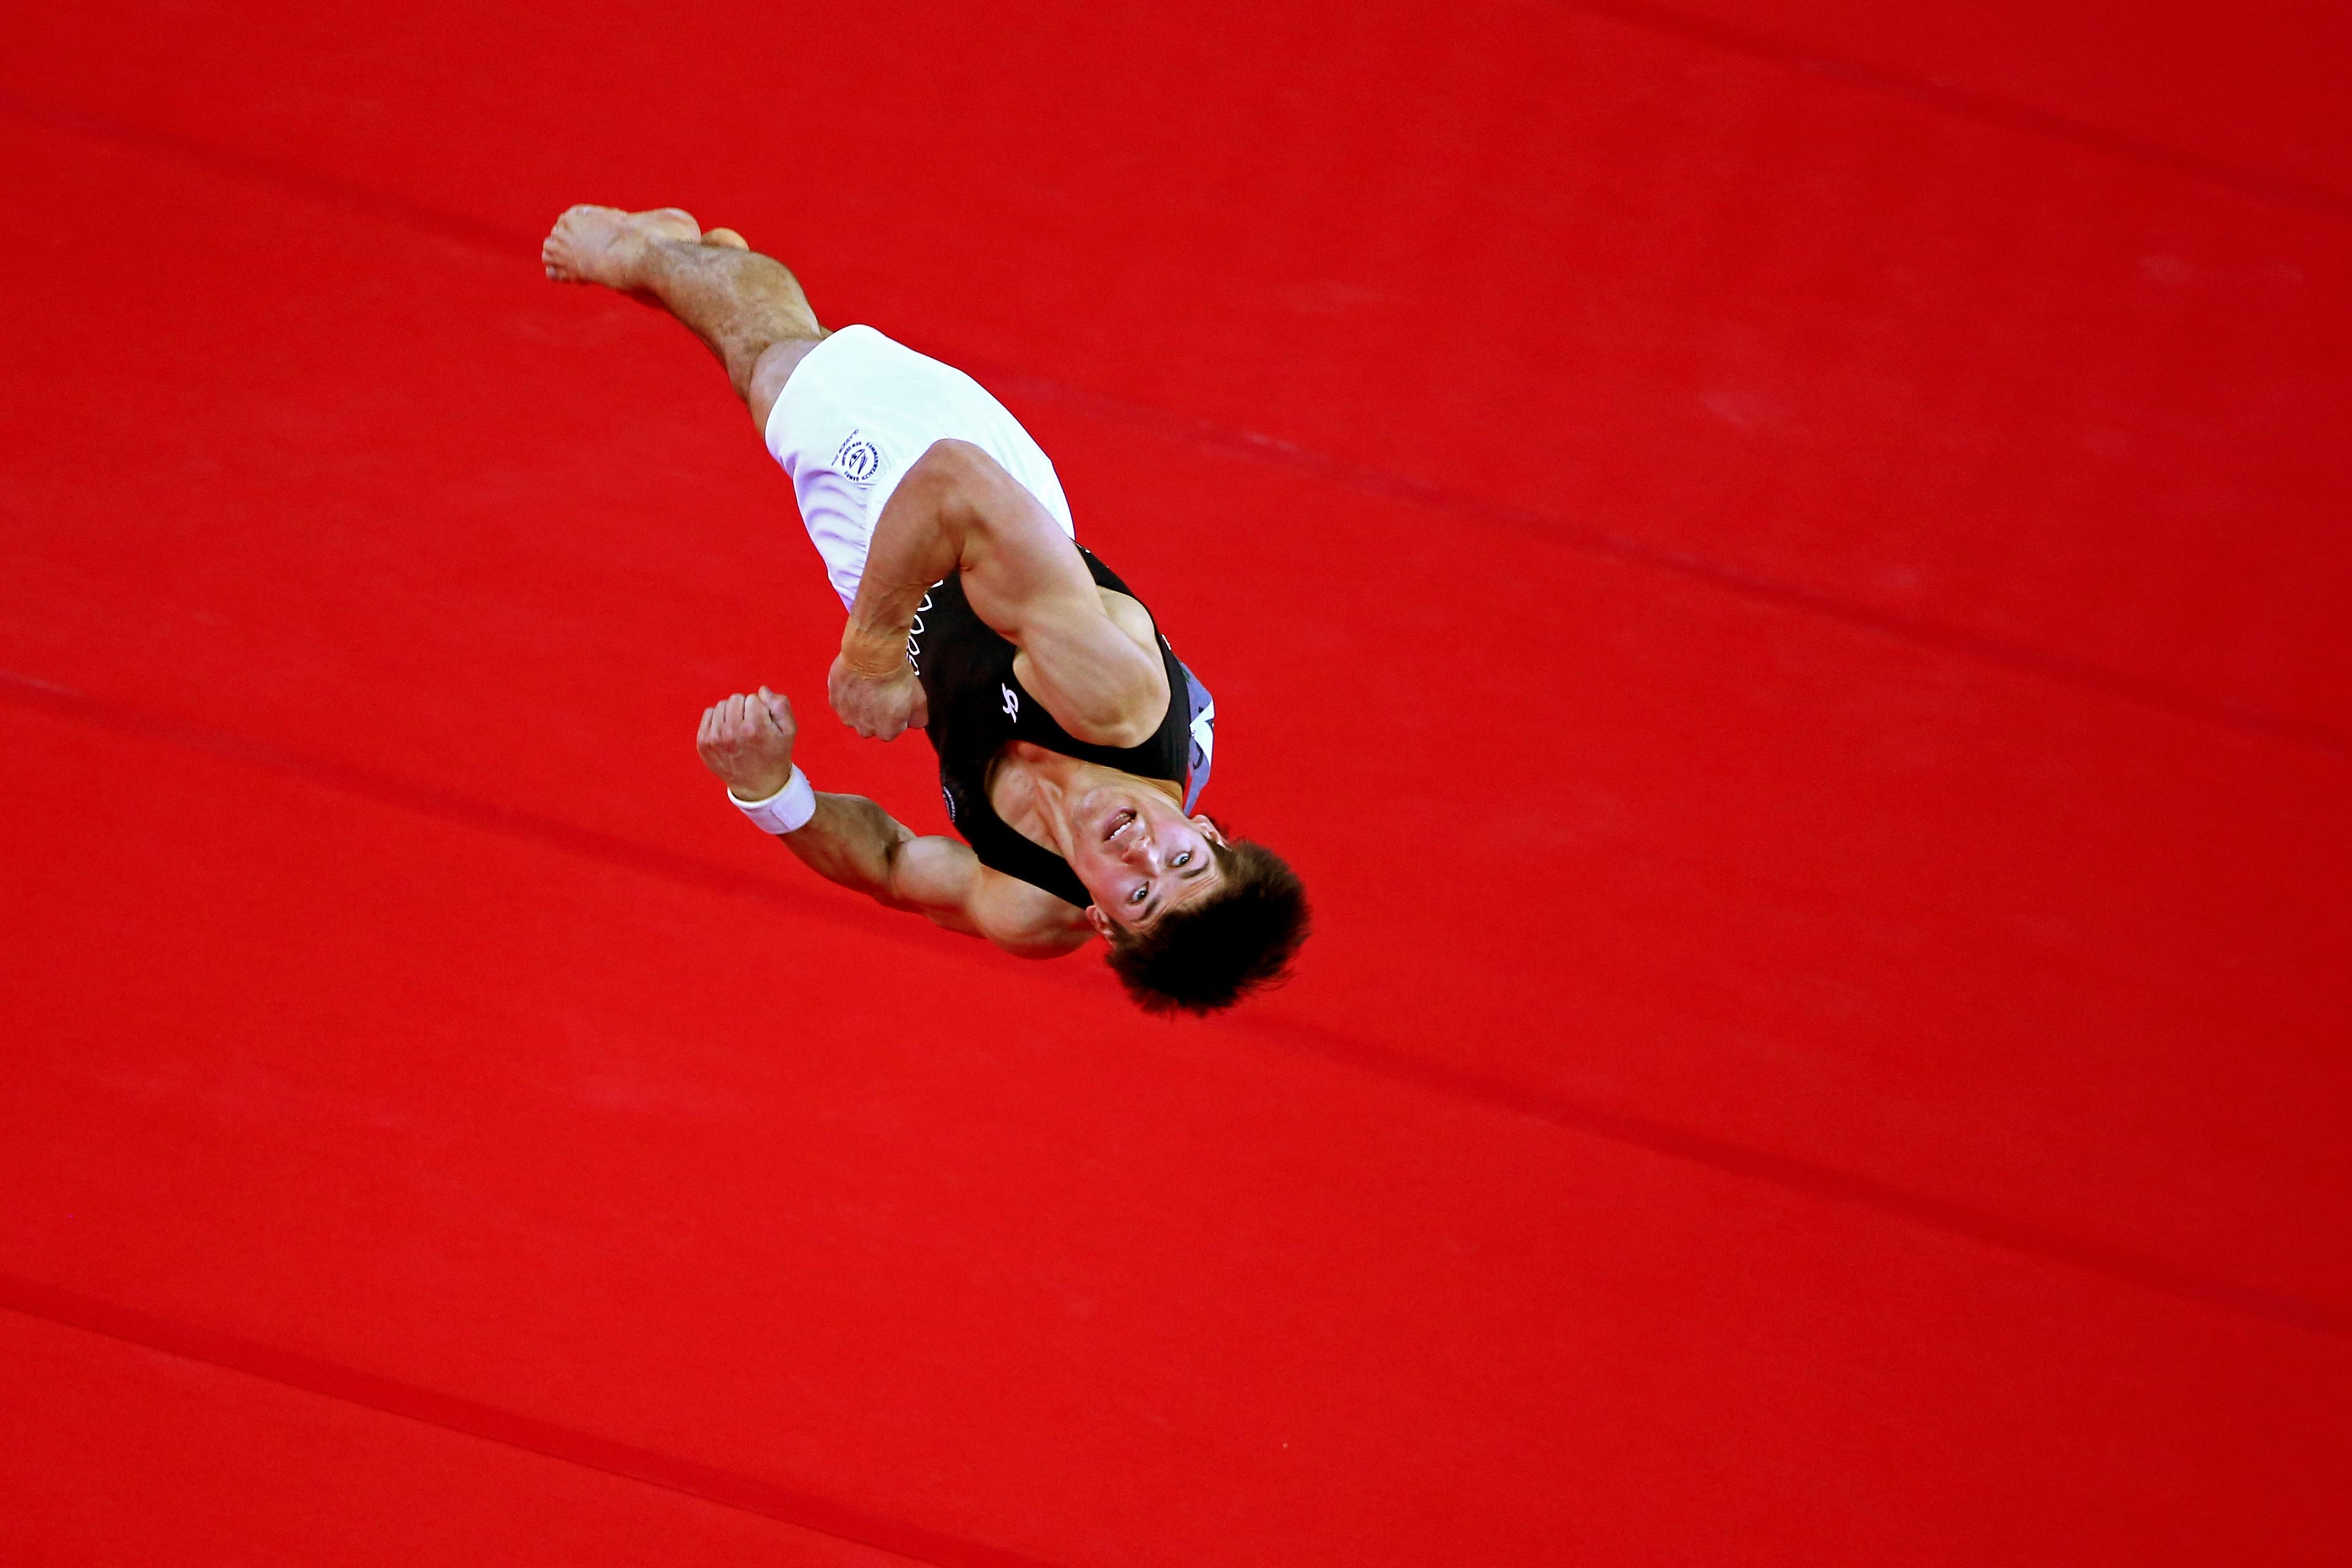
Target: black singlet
[{"x": 977, "y": 704}]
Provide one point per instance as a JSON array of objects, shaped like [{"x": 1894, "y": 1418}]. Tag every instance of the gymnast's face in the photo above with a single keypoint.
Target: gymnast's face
[{"x": 1141, "y": 856}]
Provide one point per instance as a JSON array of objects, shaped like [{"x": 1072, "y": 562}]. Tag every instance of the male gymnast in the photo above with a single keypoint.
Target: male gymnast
[{"x": 1071, "y": 743}]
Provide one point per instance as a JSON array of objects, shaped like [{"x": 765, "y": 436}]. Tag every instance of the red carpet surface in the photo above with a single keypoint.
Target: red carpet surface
[{"x": 1778, "y": 570}]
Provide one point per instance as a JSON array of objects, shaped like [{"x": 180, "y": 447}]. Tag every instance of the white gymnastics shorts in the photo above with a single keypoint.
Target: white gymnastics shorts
[{"x": 857, "y": 412}]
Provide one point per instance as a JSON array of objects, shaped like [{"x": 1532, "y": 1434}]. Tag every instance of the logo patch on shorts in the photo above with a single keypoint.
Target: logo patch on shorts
[{"x": 859, "y": 459}]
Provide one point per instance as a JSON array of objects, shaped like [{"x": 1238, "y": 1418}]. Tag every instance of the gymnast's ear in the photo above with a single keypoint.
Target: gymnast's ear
[{"x": 1101, "y": 921}]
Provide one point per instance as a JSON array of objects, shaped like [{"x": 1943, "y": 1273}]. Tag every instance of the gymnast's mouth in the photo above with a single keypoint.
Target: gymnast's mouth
[{"x": 1118, "y": 820}]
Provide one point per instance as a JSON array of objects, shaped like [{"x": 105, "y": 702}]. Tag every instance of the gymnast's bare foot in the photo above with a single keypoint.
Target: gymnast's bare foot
[
  {"x": 727, "y": 238},
  {"x": 607, "y": 245}
]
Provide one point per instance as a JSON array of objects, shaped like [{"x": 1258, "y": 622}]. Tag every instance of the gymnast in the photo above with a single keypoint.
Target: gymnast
[{"x": 1073, "y": 743}]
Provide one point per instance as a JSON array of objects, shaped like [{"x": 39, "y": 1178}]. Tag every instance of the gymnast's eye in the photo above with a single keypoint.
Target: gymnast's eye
[
  {"x": 1137, "y": 896},
  {"x": 1183, "y": 859}
]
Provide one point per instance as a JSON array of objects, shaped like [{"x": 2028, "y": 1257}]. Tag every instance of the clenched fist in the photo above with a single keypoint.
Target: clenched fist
[
  {"x": 747, "y": 743},
  {"x": 880, "y": 707}
]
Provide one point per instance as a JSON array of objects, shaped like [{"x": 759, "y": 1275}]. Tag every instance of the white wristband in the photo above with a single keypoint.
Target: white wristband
[{"x": 785, "y": 811}]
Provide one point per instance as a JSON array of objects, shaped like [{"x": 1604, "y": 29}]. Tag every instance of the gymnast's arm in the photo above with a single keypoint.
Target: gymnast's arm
[
  {"x": 747, "y": 741},
  {"x": 958, "y": 510}
]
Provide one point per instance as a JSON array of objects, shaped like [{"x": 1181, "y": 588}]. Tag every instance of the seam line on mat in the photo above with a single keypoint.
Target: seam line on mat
[
  {"x": 2045, "y": 663},
  {"x": 1965, "y": 103},
  {"x": 1785, "y": 1173},
  {"x": 453, "y": 1413},
  {"x": 2025, "y": 658}
]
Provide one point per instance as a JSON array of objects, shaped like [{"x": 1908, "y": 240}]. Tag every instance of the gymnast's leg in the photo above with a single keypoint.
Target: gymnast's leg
[{"x": 748, "y": 308}]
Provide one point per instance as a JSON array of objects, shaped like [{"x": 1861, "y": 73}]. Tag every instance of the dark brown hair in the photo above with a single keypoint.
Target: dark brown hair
[{"x": 1235, "y": 940}]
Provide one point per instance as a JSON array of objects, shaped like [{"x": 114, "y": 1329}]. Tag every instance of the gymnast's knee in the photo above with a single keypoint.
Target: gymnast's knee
[{"x": 769, "y": 369}]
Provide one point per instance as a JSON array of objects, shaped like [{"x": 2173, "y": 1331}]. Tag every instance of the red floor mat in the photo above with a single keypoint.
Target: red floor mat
[
  {"x": 1789, "y": 617},
  {"x": 119, "y": 1454}
]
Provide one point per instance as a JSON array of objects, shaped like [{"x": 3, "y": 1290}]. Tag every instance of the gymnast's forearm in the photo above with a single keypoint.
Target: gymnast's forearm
[
  {"x": 917, "y": 541},
  {"x": 853, "y": 842}
]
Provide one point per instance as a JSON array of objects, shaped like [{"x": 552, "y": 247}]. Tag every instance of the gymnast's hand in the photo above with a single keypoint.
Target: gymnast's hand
[
  {"x": 880, "y": 707},
  {"x": 747, "y": 743}
]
